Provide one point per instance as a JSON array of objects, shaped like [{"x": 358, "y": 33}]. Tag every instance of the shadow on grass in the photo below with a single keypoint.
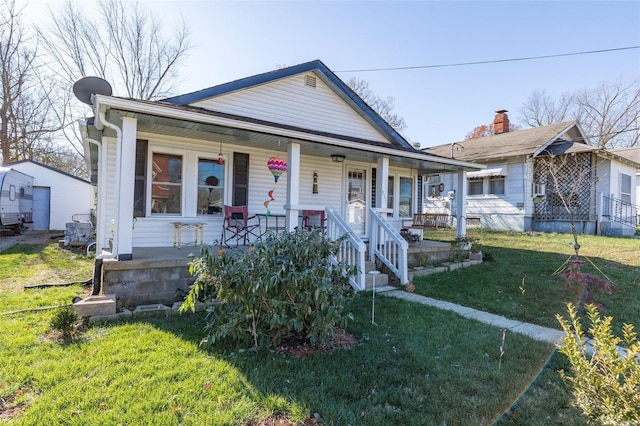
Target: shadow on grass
[
  {"x": 417, "y": 365},
  {"x": 528, "y": 285}
]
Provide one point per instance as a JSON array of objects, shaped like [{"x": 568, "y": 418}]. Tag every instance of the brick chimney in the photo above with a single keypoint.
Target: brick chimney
[{"x": 501, "y": 122}]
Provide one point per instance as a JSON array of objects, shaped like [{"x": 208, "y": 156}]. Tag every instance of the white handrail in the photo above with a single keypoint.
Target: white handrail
[
  {"x": 352, "y": 250},
  {"x": 387, "y": 244}
]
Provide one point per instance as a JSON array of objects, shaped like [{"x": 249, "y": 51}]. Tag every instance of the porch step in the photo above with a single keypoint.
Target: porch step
[{"x": 382, "y": 280}]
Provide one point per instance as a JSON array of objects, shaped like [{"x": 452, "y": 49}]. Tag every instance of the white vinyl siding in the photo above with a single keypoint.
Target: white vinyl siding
[
  {"x": 157, "y": 231},
  {"x": 289, "y": 101}
]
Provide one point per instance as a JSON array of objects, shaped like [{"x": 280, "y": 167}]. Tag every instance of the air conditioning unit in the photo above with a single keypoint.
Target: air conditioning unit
[{"x": 539, "y": 190}]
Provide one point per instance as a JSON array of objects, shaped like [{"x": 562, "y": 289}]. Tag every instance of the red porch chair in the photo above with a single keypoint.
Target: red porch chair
[
  {"x": 313, "y": 219},
  {"x": 237, "y": 226}
]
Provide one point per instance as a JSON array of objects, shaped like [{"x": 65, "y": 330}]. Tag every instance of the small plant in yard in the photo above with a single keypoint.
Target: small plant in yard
[
  {"x": 584, "y": 283},
  {"x": 605, "y": 383},
  {"x": 64, "y": 320},
  {"x": 285, "y": 288},
  {"x": 410, "y": 287}
]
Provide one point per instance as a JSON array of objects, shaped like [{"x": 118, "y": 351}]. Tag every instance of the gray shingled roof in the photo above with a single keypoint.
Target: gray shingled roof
[
  {"x": 632, "y": 154},
  {"x": 513, "y": 144}
]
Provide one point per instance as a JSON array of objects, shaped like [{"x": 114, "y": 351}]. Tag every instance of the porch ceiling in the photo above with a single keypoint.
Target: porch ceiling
[{"x": 358, "y": 150}]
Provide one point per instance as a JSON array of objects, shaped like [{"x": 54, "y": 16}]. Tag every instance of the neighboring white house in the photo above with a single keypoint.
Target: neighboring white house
[
  {"x": 183, "y": 158},
  {"x": 57, "y": 196},
  {"x": 516, "y": 191},
  {"x": 632, "y": 154}
]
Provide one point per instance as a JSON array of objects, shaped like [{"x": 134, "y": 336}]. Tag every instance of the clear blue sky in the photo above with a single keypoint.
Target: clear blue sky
[{"x": 235, "y": 39}]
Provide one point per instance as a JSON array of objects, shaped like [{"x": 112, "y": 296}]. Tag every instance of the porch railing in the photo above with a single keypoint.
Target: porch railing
[
  {"x": 352, "y": 249},
  {"x": 621, "y": 211},
  {"x": 386, "y": 244}
]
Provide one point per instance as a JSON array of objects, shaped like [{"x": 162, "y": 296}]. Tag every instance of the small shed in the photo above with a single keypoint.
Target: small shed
[{"x": 58, "y": 196}]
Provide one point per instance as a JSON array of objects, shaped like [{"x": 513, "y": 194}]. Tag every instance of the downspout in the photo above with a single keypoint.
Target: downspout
[
  {"x": 97, "y": 268},
  {"x": 103, "y": 121}
]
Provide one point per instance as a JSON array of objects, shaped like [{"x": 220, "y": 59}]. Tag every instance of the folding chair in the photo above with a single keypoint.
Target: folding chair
[
  {"x": 313, "y": 219},
  {"x": 237, "y": 227}
]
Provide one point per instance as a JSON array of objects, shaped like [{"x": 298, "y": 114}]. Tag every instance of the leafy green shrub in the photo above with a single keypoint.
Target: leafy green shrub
[
  {"x": 605, "y": 384},
  {"x": 64, "y": 320},
  {"x": 284, "y": 288}
]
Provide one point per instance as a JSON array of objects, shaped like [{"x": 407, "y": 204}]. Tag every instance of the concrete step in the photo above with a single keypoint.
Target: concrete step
[
  {"x": 381, "y": 280},
  {"x": 369, "y": 266}
]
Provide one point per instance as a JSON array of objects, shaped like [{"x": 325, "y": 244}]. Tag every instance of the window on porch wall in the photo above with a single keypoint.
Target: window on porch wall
[
  {"x": 166, "y": 184},
  {"x": 405, "y": 208},
  {"x": 210, "y": 187}
]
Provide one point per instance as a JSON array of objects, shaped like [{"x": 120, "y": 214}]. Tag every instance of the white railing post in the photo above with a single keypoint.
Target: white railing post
[{"x": 389, "y": 246}]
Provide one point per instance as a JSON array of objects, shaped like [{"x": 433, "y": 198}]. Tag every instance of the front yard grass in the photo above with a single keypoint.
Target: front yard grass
[
  {"x": 519, "y": 282},
  {"x": 418, "y": 365}
]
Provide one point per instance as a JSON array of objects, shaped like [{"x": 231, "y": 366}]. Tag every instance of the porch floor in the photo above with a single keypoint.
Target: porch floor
[{"x": 174, "y": 253}]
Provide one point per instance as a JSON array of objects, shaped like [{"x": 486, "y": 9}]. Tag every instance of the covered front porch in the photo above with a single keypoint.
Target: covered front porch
[{"x": 160, "y": 275}]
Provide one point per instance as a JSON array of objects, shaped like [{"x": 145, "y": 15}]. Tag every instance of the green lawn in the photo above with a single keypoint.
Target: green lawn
[
  {"x": 519, "y": 282},
  {"x": 418, "y": 365}
]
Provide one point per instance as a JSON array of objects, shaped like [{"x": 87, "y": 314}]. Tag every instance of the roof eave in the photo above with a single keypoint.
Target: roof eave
[{"x": 102, "y": 103}]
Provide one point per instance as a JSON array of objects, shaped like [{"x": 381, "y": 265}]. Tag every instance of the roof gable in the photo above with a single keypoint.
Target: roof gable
[
  {"x": 529, "y": 142},
  {"x": 31, "y": 165},
  {"x": 308, "y": 95}
]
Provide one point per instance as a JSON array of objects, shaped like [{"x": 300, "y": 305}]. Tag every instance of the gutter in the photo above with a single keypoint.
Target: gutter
[{"x": 100, "y": 123}]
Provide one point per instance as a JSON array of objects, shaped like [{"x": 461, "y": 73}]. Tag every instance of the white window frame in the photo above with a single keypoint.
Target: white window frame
[
  {"x": 200, "y": 157},
  {"x": 480, "y": 180},
  {"x": 626, "y": 195},
  {"x": 160, "y": 150},
  {"x": 496, "y": 178},
  {"x": 395, "y": 207}
]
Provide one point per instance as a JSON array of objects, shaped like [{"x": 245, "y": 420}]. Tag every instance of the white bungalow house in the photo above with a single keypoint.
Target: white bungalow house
[
  {"x": 163, "y": 165},
  {"x": 539, "y": 179}
]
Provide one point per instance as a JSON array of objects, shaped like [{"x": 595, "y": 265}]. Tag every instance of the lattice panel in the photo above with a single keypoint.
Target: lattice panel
[{"x": 570, "y": 189}]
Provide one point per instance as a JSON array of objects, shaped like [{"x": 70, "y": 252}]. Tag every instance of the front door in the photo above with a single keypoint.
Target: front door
[{"x": 356, "y": 199}]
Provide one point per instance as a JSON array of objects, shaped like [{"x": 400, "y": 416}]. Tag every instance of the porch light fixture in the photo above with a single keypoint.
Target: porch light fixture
[
  {"x": 337, "y": 158},
  {"x": 220, "y": 156}
]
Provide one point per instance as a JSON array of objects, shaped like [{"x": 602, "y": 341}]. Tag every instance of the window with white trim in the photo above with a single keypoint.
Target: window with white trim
[
  {"x": 210, "y": 187},
  {"x": 496, "y": 185},
  {"x": 166, "y": 184},
  {"x": 405, "y": 207},
  {"x": 476, "y": 186},
  {"x": 625, "y": 187}
]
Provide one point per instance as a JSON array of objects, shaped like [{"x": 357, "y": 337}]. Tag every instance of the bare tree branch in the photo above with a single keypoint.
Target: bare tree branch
[
  {"x": 384, "y": 107},
  {"x": 124, "y": 46},
  {"x": 609, "y": 113}
]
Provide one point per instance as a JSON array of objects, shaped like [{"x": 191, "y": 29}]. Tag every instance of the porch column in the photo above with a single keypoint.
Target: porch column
[
  {"x": 461, "y": 204},
  {"x": 382, "y": 184},
  {"x": 127, "y": 180},
  {"x": 293, "y": 186}
]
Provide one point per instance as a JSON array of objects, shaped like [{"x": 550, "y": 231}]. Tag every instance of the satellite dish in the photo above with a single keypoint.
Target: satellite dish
[{"x": 87, "y": 86}]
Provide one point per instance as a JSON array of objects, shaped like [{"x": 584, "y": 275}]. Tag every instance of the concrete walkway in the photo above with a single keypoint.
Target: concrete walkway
[
  {"x": 533, "y": 331},
  {"x": 536, "y": 332}
]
